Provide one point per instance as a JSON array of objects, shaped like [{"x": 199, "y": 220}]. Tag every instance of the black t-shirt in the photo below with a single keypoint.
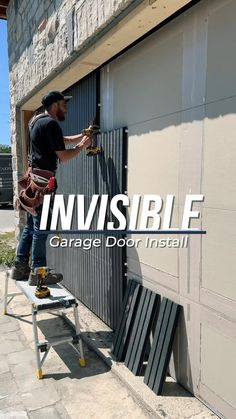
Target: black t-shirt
[{"x": 46, "y": 138}]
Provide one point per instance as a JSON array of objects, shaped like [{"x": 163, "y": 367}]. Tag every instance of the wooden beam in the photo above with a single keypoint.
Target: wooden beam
[
  {"x": 26, "y": 115},
  {"x": 4, "y": 3}
]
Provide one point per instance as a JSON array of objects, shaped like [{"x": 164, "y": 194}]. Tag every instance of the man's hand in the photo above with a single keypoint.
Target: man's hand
[
  {"x": 85, "y": 142},
  {"x": 65, "y": 155},
  {"x": 72, "y": 139}
]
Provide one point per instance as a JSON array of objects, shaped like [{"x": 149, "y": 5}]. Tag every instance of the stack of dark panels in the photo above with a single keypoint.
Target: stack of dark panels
[
  {"x": 140, "y": 315},
  {"x": 161, "y": 349}
]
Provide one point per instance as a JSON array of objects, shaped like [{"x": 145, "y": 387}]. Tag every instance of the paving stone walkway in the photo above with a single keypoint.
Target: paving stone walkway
[{"x": 67, "y": 390}]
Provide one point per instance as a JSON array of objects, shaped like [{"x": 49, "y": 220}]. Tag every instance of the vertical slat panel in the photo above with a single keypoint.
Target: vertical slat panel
[
  {"x": 156, "y": 347},
  {"x": 167, "y": 348},
  {"x": 124, "y": 329},
  {"x": 146, "y": 313},
  {"x": 94, "y": 276},
  {"x": 140, "y": 311},
  {"x": 159, "y": 357}
]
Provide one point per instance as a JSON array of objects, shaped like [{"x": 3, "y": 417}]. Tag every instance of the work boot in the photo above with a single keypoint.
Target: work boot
[
  {"x": 20, "y": 271},
  {"x": 50, "y": 279}
]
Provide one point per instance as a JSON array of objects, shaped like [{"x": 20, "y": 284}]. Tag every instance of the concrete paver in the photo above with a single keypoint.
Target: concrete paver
[
  {"x": 60, "y": 408},
  {"x": 24, "y": 368},
  {"x": 53, "y": 412},
  {"x": 5, "y": 319},
  {"x": 4, "y": 367},
  {"x": 46, "y": 412},
  {"x": 21, "y": 356},
  {"x": 26, "y": 382},
  {"x": 9, "y": 327},
  {"x": 11, "y": 336},
  {"x": 8, "y": 391},
  {"x": 16, "y": 412},
  {"x": 36, "y": 398},
  {"x": 8, "y": 385},
  {"x": 9, "y": 347}
]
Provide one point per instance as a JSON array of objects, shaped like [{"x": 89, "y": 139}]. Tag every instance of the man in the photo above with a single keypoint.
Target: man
[{"x": 47, "y": 146}]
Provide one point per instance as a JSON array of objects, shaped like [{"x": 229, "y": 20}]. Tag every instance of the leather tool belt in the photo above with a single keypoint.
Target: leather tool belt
[{"x": 36, "y": 183}]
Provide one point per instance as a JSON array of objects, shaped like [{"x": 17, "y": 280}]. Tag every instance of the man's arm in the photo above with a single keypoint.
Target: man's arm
[
  {"x": 71, "y": 139},
  {"x": 65, "y": 155}
]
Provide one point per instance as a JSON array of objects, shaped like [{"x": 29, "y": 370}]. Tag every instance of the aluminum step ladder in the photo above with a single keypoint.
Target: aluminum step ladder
[{"x": 59, "y": 299}]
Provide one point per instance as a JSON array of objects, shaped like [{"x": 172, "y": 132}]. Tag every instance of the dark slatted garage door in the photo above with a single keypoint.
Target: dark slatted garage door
[{"x": 96, "y": 276}]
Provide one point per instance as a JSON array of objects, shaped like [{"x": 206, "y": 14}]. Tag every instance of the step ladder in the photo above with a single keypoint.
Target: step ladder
[{"x": 60, "y": 299}]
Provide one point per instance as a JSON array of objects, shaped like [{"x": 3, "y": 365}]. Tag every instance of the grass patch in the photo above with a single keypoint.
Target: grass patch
[{"x": 7, "y": 248}]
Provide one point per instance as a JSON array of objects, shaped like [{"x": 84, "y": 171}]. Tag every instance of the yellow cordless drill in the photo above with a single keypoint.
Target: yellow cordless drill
[
  {"x": 93, "y": 149},
  {"x": 41, "y": 290}
]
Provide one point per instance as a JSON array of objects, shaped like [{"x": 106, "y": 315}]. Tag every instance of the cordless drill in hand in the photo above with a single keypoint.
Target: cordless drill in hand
[{"x": 91, "y": 131}]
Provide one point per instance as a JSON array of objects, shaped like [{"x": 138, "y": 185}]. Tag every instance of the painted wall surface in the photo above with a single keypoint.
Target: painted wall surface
[{"x": 176, "y": 93}]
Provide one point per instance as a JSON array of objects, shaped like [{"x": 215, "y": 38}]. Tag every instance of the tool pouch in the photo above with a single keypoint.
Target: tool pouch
[
  {"x": 38, "y": 183},
  {"x": 24, "y": 180}
]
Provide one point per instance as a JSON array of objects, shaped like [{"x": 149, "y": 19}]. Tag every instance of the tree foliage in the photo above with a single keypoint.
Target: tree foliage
[{"x": 5, "y": 148}]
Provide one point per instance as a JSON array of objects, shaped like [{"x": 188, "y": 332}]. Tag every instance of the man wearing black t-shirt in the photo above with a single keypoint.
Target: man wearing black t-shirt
[{"x": 47, "y": 146}]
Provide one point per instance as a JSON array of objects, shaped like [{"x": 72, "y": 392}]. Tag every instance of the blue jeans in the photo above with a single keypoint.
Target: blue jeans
[{"x": 32, "y": 243}]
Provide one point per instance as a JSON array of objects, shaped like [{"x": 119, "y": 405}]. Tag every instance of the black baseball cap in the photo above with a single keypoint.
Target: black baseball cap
[{"x": 52, "y": 97}]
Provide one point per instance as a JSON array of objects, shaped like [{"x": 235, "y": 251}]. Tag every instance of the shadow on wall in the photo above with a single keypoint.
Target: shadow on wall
[{"x": 212, "y": 110}]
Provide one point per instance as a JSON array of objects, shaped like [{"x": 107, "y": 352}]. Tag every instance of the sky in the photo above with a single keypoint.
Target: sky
[{"x": 4, "y": 86}]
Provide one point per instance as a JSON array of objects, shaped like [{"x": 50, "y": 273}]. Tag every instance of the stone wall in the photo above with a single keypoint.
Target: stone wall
[{"x": 41, "y": 36}]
